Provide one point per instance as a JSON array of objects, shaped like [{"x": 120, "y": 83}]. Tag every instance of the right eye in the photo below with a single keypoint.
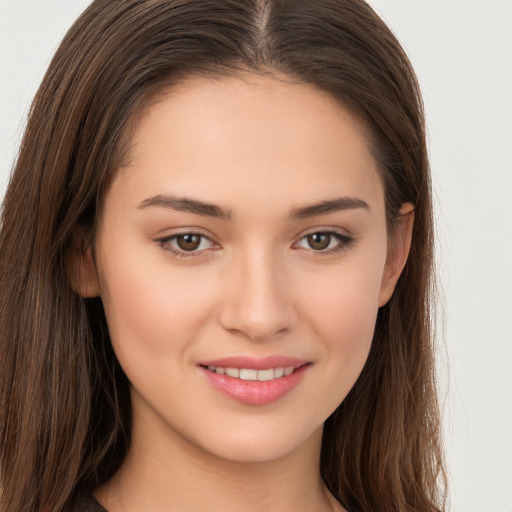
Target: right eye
[{"x": 186, "y": 244}]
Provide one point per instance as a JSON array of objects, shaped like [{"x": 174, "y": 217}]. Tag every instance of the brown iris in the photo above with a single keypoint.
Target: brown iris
[
  {"x": 188, "y": 242},
  {"x": 319, "y": 241}
]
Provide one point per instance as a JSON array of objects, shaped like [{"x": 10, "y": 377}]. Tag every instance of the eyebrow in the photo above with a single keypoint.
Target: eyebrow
[
  {"x": 329, "y": 206},
  {"x": 184, "y": 204},
  {"x": 189, "y": 205}
]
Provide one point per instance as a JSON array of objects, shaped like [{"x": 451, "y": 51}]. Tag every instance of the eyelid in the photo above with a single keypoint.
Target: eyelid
[
  {"x": 164, "y": 243},
  {"x": 345, "y": 239},
  {"x": 325, "y": 228}
]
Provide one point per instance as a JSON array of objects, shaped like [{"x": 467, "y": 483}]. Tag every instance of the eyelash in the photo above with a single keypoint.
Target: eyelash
[
  {"x": 165, "y": 245},
  {"x": 344, "y": 242}
]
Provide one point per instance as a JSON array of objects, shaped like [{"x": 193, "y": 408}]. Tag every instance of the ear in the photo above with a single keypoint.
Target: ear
[
  {"x": 398, "y": 252},
  {"x": 82, "y": 270}
]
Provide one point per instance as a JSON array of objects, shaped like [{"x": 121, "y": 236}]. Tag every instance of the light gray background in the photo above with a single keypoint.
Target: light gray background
[{"x": 462, "y": 52}]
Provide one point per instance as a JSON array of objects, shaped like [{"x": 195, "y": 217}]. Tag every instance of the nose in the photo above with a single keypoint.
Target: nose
[{"x": 258, "y": 297}]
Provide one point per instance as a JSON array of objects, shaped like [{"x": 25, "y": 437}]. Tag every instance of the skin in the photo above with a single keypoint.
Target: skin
[{"x": 259, "y": 148}]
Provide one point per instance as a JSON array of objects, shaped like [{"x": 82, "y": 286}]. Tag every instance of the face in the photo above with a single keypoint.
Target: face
[{"x": 241, "y": 258}]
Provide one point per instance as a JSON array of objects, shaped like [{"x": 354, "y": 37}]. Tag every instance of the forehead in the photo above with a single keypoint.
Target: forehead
[{"x": 246, "y": 136}]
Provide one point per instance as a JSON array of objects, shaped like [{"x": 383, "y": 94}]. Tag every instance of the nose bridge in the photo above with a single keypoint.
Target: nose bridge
[{"x": 258, "y": 304}]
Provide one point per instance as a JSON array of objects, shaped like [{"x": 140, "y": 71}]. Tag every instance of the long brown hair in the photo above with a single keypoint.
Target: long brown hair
[{"x": 65, "y": 404}]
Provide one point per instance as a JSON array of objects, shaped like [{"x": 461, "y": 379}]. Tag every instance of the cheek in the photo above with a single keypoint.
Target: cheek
[
  {"x": 350, "y": 329},
  {"x": 152, "y": 314},
  {"x": 343, "y": 315},
  {"x": 346, "y": 302}
]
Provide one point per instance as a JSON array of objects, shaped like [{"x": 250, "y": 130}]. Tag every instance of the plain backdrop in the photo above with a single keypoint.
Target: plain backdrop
[{"x": 462, "y": 52}]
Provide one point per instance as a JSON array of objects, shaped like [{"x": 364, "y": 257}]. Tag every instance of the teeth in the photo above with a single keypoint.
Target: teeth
[
  {"x": 233, "y": 372},
  {"x": 250, "y": 374},
  {"x": 278, "y": 372},
  {"x": 266, "y": 374}
]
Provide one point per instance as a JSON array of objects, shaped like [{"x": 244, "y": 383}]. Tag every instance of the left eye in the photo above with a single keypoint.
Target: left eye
[
  {"x": 187, "y": 242},
  {"x": 323, "y": 241}
]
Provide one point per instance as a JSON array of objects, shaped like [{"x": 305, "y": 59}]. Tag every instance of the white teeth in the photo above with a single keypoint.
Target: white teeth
[
  {"x": 233, "y": 372},
  {"x": 266, "y": 374},
  {"x": 250, "y": 374}
]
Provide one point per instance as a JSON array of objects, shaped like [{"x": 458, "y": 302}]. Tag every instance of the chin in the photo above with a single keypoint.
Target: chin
[{"x": 264, "y": 445}]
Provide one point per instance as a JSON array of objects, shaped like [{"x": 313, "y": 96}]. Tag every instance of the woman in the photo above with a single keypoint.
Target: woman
[{"x": 216, "y": 267}]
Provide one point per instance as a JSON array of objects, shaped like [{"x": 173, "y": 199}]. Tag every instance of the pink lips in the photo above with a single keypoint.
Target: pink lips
[{"x": 254, "y": 392}]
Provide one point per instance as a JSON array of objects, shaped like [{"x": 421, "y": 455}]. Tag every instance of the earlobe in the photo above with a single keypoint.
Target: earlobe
[
  {"x": 82, "y": 271},
  {"x": 397, "y": 253}
]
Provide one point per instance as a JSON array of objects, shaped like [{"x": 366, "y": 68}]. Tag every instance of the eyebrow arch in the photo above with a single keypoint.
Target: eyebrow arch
[
  {"x": 329, "y": 206},
  {"x": 184, "y": 204}
]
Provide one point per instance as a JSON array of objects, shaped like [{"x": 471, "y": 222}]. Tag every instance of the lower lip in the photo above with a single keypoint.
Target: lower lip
[{"x": 254, "y": 392}]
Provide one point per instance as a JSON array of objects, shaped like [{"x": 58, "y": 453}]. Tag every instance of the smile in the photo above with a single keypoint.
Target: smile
[
  {"x": 255, "y": 381},
  {"x": 253, "y": 375}
]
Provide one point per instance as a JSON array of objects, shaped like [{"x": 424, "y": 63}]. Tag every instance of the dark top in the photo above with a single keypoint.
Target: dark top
[{"x": 88, "y": 504}]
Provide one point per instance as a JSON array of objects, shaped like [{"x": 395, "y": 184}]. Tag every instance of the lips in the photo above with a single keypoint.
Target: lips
[{"x": 255, "y": 381}]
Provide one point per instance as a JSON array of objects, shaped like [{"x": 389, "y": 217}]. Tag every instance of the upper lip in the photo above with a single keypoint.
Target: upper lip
[{"x": 254, "y": 363}]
